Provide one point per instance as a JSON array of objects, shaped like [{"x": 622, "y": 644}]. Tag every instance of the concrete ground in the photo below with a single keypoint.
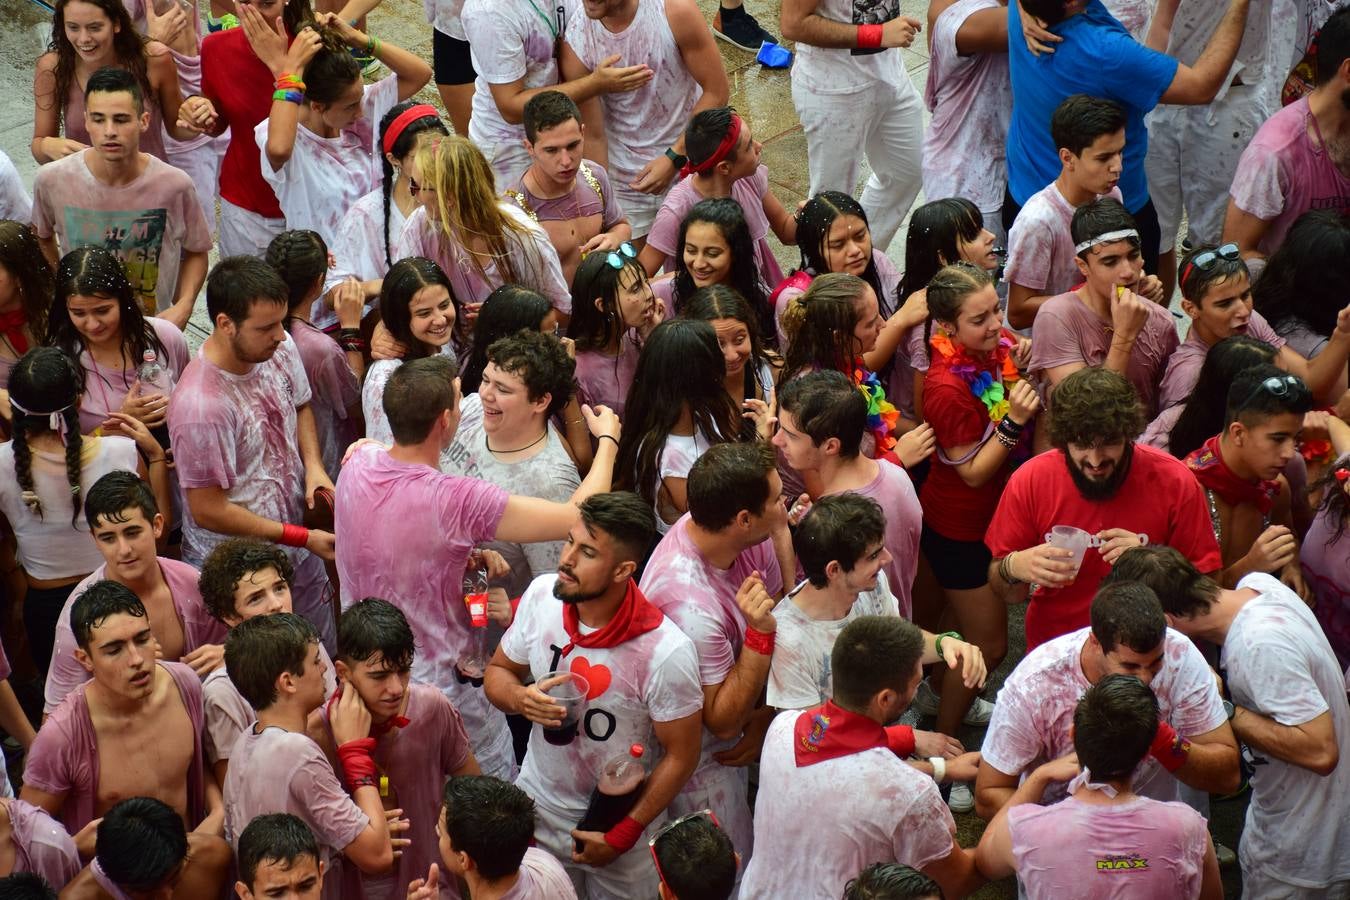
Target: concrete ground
[{"x": 762, "y": 95}]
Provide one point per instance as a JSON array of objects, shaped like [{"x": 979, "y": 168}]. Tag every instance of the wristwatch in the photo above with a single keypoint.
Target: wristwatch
[{"x": 676, "y": 158}]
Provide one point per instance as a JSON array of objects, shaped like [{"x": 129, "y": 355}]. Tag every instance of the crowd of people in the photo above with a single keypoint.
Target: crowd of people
[{"x": 522, "y": 529}]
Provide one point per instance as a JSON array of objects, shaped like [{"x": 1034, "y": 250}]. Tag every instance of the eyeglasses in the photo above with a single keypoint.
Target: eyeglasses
[
  {"x": 1279, "y": 386},
  {"x": 615, "y": 260},
  {"x": 672, "y": 825},
  {"x": 1205, "y": 261}
]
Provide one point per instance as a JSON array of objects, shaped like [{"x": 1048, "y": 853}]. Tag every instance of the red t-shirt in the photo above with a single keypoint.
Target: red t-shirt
[
  {"x": 951, "y": 507},
  {"x": 1160, "y": 498},
  {"x": 240, "y": 86}
]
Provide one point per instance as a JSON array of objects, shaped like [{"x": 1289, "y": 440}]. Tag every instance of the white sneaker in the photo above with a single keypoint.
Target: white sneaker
[
  {"x": 926, "y": 704},
  {"x": 961, "y": 799}
]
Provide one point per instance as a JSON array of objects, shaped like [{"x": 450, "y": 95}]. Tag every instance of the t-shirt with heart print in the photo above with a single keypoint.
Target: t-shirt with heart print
[{"x": 653, "y": 677}]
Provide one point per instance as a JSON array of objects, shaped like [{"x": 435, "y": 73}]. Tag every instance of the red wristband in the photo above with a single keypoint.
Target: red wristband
[
  {"x": 869, "y": 37},
  {"x": 623, "y": 836},
  {"x": 900, "y": 739},
  {"x": 759, "y": 641},
  {"x": 1170, "y": 749},
  {"x": 358, "y": 766},
  {"x": 294, "y": 535}
]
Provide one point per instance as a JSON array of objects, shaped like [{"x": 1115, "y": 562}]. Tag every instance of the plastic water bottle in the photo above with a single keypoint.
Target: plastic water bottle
[
  {"x": 617, "y": 792},
  {"x": 474, "y": 660},
  {"x": 155, "y": 378}
]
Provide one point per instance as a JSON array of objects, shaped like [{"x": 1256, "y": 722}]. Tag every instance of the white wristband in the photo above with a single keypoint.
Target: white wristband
[{"x": 939, "y": 768}]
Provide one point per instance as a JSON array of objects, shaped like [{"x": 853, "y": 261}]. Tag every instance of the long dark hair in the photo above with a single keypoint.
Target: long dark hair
[
  {"x": 718, "y": 301},
  {"x": 401, "y": 284},
  {"x": 21, "y": 256},
  {"x": 813, "y": 231},
  {"x": 1305, "y": 278},
  {"x": 729, "y": 218},
  {"x": 680, "y": 365},
  {"x": 403, "y": 145},
  {"x": 300, "y": 257},
  {"x": 1203, "y": 415},
  {"x": 127, "y": 43},
  {"x": 96, "y": 272},
  {"x": 594, "y": 327},
  {"x": 819, "y": 326},
  {"x": 507, "y": 310},
  {"x": 1335, "y": 500},
  {"x": 44, "y": 381},
  {"x": 936, "y": 231}
]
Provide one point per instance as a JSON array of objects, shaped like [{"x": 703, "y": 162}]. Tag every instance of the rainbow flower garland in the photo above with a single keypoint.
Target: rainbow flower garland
[
  {"x": 881, "y": 413},
  {"x": 979, "y": 373}
]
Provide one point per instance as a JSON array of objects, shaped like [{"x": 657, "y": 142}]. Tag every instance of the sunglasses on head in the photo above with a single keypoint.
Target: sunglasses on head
[
  {"x": 1205, "y": 261},
  {"x": 1279, "y": 386},
  {"x": 671, "y": 826},
  {"x": 615, "y": 260}
]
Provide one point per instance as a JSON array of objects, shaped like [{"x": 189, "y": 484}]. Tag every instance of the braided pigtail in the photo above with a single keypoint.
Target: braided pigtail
[
  {"x": 23, "y": 464},
  {"x": 74, "y": 444}
]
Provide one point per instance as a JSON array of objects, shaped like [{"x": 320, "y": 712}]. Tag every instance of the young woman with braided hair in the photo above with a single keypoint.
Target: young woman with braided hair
[
  {"x": 25, "y": 288},
  {"x": 53, "y": 466}
]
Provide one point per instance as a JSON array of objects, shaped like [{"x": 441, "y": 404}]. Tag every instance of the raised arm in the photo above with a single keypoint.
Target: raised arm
[
  {"x": 412, "y": 72},
  {"x": 728, "y": 706},
  {"x": 1199, "y": 84}
]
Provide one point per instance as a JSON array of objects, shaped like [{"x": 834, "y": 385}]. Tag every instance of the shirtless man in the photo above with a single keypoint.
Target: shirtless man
[
  {"x": 126, "y": 523},
  {"x": 135, "y": 730},
  {"x": 570, "y": 197}
]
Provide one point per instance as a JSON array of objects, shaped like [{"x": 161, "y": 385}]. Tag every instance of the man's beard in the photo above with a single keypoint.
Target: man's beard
[
  {"x": 574, "y": 598},
  {"x": 245, "y": 356},
  {"x": 1098, "y": 491}
]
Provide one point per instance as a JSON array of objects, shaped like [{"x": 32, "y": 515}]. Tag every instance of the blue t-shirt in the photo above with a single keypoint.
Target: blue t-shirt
[{"x": 1098, "y": 57}]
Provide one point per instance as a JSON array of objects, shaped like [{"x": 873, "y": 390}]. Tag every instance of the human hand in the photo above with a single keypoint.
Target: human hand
[
  {"x": 397, "y": 825},
  {"x": 900, "y": 31},
  {"x": 350, "y": 34},
  {"x": 612, "y": 79},
  {"x": 383, "y": 345},
  {"x": 349, "y": 301},
  {"x": 604, "y": 242},
  {"x": 964, "y": 767},
  {"x": 1116, "y": 541},
  {"x": 756, "y": 604},
  {"x": 916, "y": 445},
  {"x": 758, "y": 412},
  {"x": 595, "y": 851},
  {"x": 655, "y": 176},
  {"x": 656, "y": 314},
  {"x": 933, "y": 743},
  {"x": 1150, "y": 287},
  {"x": 1343, "y": 322},
  {"x": 150, "y": 407},
  {"x": 349, "y": 718},
  {"x": 570, "y": 346},
  {"x": 1292, "y": 577},
  {"x": 499, "y": 607},
  {"x": 86, "y": 839},
  {"x": 205, "y": 659},
  {"x": 120, "y": 423},
  {"x": 1065, "y": 768},
  {"x": 316, "y": 479},
  {"x": 494, "y": 562},
  {"x": 746, "y": 750},
  {"x": 322, "y": 544},
  {"x": 1129, "y": 312},
  {"x": 1021, "y": 353},
  {"x": 165, "y": 27},
  {"x": 428, "y": 888},
  {"x": 539, "y": 707},
  {"x": 1044, "y": 564},
  {"x": 800, "y": 507},
  {"x": 60, "y": 148},
  {"x": 913, "y": 312},
  {"x": 1274, "y": 549},
  {"x": 1023, "y": 402},
  {"x": 969, "y": 658},
  {"x": 266, "y": 39},
  {"x": 304, "y": 47},
  {"x": 601, "y": 421},
  {"x": 358, "y": 444},
  {"x": 1039, "y": 39}
]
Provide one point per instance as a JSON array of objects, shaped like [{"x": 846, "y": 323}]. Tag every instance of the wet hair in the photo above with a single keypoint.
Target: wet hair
[
  {"x": 721, "y": 301},
  {"x": 1333, "y": 45},
  {"x": 813, "y": 233},
  {"x": 1196, "y": 282},
  {"x": 727, "y": 216},
  {"x": 260, "y": 649},
  {"x": 237, "y": 283},
  {"x": 594, "y": 327},
  {"x": 1180, "y": 587},
  {"x": 681, "y": 366},
  {"x": 705, "y": 133},
  {"x": 97, "y": 272},
  {"x": 1051, "y": 12},
  {"x": 142, "y": 843},
  {"x": 947, "y": 292},
  {"x": 1128, "y": 613},
  {"x": 891, "y": 881},
  {"x": 228, "y": 563},
  {"x": 300, "y": 257},
  {"x": 1096, "y": 218},
  {"x": 1335, "y": 504},
  {"x": 406, "y": 142},
  {"x": 114, "y": 494},
  {"x": 489, "y": 819},
  {"x": 46, "y": 381},
  {"x": 128, "y": 47},
  {"x": 1203, "y": 415},
  {"x": 1300, "y": 281},
  {"x": 727, "y": 479},
  {"x": 21, "y": 257},
  {"x": 1095, "y": 404},
  {"x": 1080, "y": 120},
  {"x": 1251, "y": 404},
  {"x": 332, "y": 71},
  {"x": 936, "y": 231},
  {"x": 375, "y": 626},
  {"x": 115, "y": 80},
  {"x": 416, "y": 395},
  {"x": 507, "y": 310},
  {"x": 1113, "y": 726},
  {"x": 99, "y": 602},
  {"x": 545, "y": 110},
  {"x": 541, "y": 361},
  {"x": 839, "y": 528},
  {"x": 697, "y": 860},
  {"x": 625, "y": 517},
  {"x": 275, "y": 838},
  {"x": 872, "y": 654},
  {"x": 25, "y": 886},
  {"x": 819, "y": 326},
  {"x": 825, "y": 405},
  {"x": 401, "y": 285}
]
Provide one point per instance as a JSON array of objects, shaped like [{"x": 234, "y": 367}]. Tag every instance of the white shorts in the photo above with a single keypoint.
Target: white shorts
[
  {"x": 245, "y": 233},
  {"x": 630, "y": 877},
  {"x": 640, "y": 208}
]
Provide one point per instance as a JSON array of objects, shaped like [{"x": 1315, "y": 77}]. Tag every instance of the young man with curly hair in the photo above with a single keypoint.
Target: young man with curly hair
[{"x": 1098, "y": 480}]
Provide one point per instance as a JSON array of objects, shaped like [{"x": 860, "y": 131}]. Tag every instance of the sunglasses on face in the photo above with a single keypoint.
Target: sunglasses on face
[
  {"x": 615, "y": 260},
  {"x": 671, "y": 826}
]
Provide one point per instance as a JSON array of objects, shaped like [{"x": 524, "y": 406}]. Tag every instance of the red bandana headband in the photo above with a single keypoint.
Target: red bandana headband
[
  {"x": 406, "y": 118},
  {"x": 728, "y": 144}
]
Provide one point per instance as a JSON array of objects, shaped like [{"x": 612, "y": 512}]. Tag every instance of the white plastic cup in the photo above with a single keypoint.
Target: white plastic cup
[{"x": 1075, "y": 540}]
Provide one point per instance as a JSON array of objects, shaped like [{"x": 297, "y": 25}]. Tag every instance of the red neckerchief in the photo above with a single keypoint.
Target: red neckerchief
[
  {"x": 1213, "y": 473},
  {"x": 11, "y": 326},
  {"x": 635, "y": 616},
  {"x": 829, "y": 732},
  {"x": 377, "y": 729}
]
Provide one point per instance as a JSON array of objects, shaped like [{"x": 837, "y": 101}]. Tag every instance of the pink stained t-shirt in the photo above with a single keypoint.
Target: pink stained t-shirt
[
  {"x": 228, "y": 714},
  {"x": 199, "y": 627},
  {"x": 541, "y": 877},
  {"x": 279, "y": 771},
  {"x": 1138, "y": 848},
  {"x": 892, "y": 489},
  {"x": 64, "y": 758},
  {"x": 105, "y": 390},
  {"x": 1183, "y": 368},
  {"x": 333, "y": 390},
  {"x": 818, "y": 826},
  {"x": 1033, "y": 719},
  {"x": 970, "y": 97},
  {"x": 581, "y": 202},
  {"x": 1325, "y": 557},
  {"x": 1068, "y": 332},
  {"x": 749, "y": 192},
  {"x": 1040, "y": 248},
  {"x": 41, "y": 845},
  {"x": 1285, "y": 171},
  {"x": 605, "y": 380}
]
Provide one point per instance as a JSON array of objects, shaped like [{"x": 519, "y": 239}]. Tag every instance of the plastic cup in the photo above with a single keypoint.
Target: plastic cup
[
  {"x": 1075, "y": 540},
  {"x": 569, "y": 690}
]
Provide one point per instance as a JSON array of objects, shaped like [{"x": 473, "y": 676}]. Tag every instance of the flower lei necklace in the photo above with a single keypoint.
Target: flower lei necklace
[
  {"x": 979, "y": 373},
  {"x": 881, "y": 413}
]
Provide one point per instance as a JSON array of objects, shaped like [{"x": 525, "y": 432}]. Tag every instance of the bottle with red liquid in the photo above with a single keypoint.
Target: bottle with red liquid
[
  {"x": 620, "y": 784},
  {"x": 473, "y": 661}
]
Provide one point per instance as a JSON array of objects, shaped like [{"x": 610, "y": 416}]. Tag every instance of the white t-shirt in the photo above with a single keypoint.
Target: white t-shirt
[
  {"x": 651, "y": 678},
  {"x": 1281, "y": 666},
  {"x": 799, "y": 676},
  {"x": 444, "y": 16},
  {"x": 15, "y": 203},
  {"x": 325, "y": 176},
  {"x": 830, "y": 70},
  {"x": 677, "y": 457},
  {"x": 1040, "y": 246},
  {"x": 1033, "y": 719},
  {"x": 818, "y": 826},
  {"x": 360, "y": 250}
]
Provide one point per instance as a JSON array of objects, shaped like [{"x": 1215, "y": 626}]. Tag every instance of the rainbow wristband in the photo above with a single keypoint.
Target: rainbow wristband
[{"x": 290, "y": 96}]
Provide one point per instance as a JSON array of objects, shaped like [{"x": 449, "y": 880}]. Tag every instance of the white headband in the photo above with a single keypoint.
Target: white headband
[{"x": 1124, "y": 234}]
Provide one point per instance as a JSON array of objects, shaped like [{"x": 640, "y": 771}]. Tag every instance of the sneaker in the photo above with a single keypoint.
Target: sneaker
[
  {"x": 962, "y": 799},
  {"x": 926, "y": 704},
  {"x": 741, "y": 30}
]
